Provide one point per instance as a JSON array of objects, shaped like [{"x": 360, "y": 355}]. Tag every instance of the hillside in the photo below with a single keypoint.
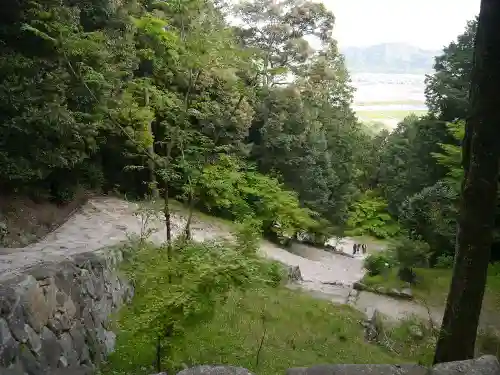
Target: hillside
[{"x": 389, "y": 58}]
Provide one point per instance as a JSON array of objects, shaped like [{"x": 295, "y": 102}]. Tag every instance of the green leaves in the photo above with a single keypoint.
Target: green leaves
[
  {"x": 229, "y": 189},
  {"x": 173, "y": 295},
  {"x": 369, "y": 216}
]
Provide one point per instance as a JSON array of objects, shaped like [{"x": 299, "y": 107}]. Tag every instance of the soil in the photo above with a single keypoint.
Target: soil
[{"x": 27, "y": 220}]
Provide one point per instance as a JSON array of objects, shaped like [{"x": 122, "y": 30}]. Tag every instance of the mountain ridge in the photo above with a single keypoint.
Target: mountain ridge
[{"x": 389, "y": 58}]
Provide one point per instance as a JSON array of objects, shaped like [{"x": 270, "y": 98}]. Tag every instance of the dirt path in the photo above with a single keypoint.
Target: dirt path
[{"x": 106, "y": 221}]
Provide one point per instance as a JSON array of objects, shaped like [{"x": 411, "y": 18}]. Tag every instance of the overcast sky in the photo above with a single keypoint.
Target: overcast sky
[{"x": 428, "y": 24}]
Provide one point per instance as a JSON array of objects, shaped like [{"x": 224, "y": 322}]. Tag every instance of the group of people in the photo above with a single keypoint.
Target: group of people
[{"x": 357, "y": 247}]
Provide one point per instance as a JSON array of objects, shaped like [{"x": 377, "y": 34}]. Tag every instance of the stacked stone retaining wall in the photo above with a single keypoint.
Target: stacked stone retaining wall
[{"x": 55, "y": 317}]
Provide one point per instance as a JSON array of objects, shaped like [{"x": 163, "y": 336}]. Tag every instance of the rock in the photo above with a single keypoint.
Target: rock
[
  {"x": 373, "y": 324},
  {"x": 8, "y": 346},
  {"x": 359, "y": 370},
  {"x": 38, "y": 308},
  {"x": 359, "y": 286},
  {"x": 354, "y": 293},
  {"x": 69, "y": 354},
  {"x": 17, "y": 323},
  {"x": 294, "y": 274},
  {"x": 485, "y": 365},
  {"x": 30, "y": 363},
  {"x": 215, "y": 370},
  {"x": 406, "y": 293},
  {"x": 34, "y": 341},
  {"x": 416, "y": 332},
  {"x": 51, "y": 348}
]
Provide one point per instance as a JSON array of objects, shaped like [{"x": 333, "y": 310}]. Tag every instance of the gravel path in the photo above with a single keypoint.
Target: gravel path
[{"x": 105, "y": 221}]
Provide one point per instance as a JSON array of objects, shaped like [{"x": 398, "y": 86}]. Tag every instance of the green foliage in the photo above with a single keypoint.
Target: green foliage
[
  {"x": 406, "y": 164},
  {"x": 378, "y": 263},
  {"x": 300, "y": 331},
  {"x": 409, "y": 253},
  {"x": 431, "y": 215},
  {"x": 91, "y": 87},
  {"x": 444, "y": 261},
  {"x": 369, "y": 215},
  {"x": 231, "y": 189},
  {"x": 176, "y": 292},
  {"x": 451, "y": 155},
  {"x": 447, "y": 89}
]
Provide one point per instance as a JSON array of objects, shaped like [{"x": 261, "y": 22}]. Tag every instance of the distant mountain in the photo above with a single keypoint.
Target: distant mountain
[{"x": 389, "y": 58}]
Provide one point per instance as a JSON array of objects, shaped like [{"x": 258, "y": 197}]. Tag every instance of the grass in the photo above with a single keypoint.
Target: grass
[
  {"x": 300, "y": 331},
  {"x": 433, "y": 287},
  {"x": 388, "y": 114}
]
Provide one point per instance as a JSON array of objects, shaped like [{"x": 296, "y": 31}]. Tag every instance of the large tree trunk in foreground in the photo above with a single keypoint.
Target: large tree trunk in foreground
[{"x": 477, "y": 211}]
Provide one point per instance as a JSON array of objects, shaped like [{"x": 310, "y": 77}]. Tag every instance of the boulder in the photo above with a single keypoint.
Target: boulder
[
  {"x": 359, "y": 370},
  {"x": 359, "y": 286},
  {"x": 215, "y": 370},
  {"x": 373, "y": 324},
  {"x": 294, "y": 274},
  {"x": 406, "y": 293},
  {"x": 485, "y": 365}
]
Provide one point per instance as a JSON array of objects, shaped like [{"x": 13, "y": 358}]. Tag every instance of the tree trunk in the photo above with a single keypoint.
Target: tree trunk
[
  {"x": 151, "y": 163},
  {"x": 481, "y": 153}
]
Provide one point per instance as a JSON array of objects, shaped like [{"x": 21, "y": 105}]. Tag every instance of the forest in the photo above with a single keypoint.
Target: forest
[
  {"x": 147, "y": 97},
  {"x": 243, "y": 112}
]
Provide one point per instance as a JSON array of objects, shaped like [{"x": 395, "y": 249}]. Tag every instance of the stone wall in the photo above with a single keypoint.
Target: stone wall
[{"x": 55, "y": 317}]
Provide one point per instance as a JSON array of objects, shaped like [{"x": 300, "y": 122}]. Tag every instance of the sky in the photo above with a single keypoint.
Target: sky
[{"x": 417, "y": 22}]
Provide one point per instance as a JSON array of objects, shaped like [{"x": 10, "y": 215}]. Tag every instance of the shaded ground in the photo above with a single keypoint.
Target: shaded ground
[{"x": 27, "y": 220}]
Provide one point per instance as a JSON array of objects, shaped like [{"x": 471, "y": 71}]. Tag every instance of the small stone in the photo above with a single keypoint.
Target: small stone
[
  {"x": 45, "y": 282},
  {"x": 215, "y": 370},
  {"x": 63, "y": 362},
  {"x": 59, "y": 323},
  {"x": 406, "y": 293},
  {"x": 294, "y": 274},
  {"x": 359, "y": 286}
]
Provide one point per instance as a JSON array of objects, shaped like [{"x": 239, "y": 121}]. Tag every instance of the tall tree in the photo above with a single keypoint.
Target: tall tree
[
  {"x": 481, "y": 156},
  {"x": 447, "y": 89}
]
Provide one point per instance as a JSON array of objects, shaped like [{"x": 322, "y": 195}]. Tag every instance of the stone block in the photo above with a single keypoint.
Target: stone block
[
  {"x": 349, "y": 369},
  {"x": 215, "y": 370},
  {"x": 485, "y": 365}
]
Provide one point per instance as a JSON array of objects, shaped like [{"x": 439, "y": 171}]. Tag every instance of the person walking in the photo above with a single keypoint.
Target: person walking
[
  {"x": 364, "y": 247},
  {"x": 354, "y": 249}
]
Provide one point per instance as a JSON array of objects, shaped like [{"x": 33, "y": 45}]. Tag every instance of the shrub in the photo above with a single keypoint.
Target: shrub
[
  {"x": 369, "y": 215},
  {"x": 181, "y": 288},
  {"x": 377, "y": 263},
  {"x": 233, "y": 190},
  {"x": 409, "y": 253},
  {"x": 444, "y": 261}
]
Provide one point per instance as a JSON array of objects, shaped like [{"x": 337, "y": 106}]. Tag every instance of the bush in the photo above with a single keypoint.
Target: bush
[
  {"x": 431, "y": 215},
  {"x": 444, "y": 261},
  {"x": 377, "y": 263},
  {"x": 369, "y": 216},
  {"x": 181, "y": 288},
  {"x": 233, "y": 190},
  {"x": 409, "y": 253}
]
